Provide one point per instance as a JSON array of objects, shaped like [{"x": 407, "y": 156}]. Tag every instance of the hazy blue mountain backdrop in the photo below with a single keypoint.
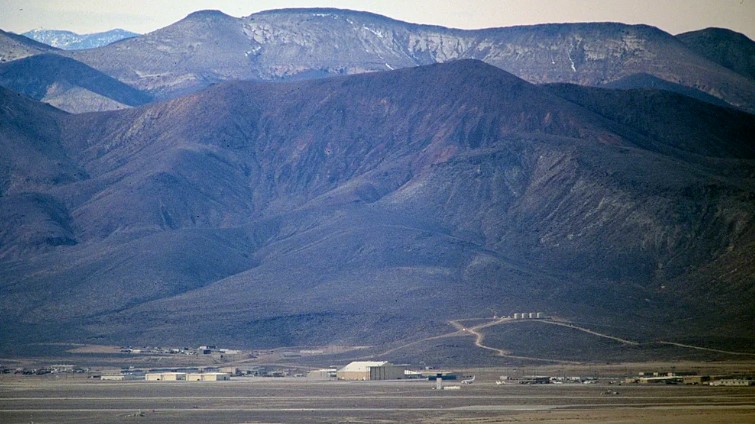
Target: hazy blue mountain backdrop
[{"x": 68, "y": 40}]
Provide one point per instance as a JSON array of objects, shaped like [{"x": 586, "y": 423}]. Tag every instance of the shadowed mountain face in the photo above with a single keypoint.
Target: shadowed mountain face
[
  {"x": 729, "y": 49},
  {"x": 32, "y": 161},
  {"x": 208, "y": 47},
  {"x": 379, "y": 206},
  {"x": 677, "y": 124},
  {"x": 650, "y": 82},
  {"x": 68, "y": 85},
  {"x": 32, "y": 156}
]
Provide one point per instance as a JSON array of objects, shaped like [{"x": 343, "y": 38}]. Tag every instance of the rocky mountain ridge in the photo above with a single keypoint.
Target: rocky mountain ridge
[{"x": 208, "y": 47}]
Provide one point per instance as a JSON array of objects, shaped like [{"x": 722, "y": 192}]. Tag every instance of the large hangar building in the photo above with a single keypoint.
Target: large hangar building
[{"x": 371, "y": 370}]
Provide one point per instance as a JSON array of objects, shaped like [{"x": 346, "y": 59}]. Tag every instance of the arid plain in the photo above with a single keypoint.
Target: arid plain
[{"x": 266, "y": 400}]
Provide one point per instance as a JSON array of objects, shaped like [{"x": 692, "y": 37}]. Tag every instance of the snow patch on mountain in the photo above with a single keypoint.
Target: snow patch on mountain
[{"x": 68, "y": 40}]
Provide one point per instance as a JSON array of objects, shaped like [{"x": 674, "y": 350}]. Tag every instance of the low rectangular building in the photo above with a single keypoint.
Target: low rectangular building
[
  {"x": 733, "y": 382},
  {"x": 122, "y": 377},
  {"x": 696, "y": 379},
  {"x": 165, "y": 376},
  {"x": 208, "y": 376},
  {"x": 535, "y": 379},
  {"x": 387, "y": 371},
  {"x": 370, "y": 370},
  {"x": 660, "y": 380},
  {"x": 323, "y": 374}
]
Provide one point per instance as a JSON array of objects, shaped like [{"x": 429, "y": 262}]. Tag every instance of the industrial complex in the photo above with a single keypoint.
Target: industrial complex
[{"x": 222, "y": 364}]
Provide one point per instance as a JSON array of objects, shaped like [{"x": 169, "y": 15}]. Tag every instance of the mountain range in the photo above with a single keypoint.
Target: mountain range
[
  {"x": 207, "y": 47},
  {"x": 379, "y": 206},
  {"x": 314, "y": 198},
  {"x": 68, "y": 40}
]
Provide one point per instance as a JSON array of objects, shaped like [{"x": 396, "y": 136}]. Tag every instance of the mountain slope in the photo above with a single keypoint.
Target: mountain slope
[
  {"x": 729, "y": 49},
  {"x": 68, "y": 84},
  {"x": 371, "y": 208},
  {"x": 650, "y": 82},
  {"x": 204, "y": 48},
  {"x": 32, "y": 155},
  {"x": 675, "y": 121},
  {"x": 31, "y": 162},
  {"x": 14, "y": 46},
  {"x": 68, "y": 40},
  {"x": 209, "y": 46}
]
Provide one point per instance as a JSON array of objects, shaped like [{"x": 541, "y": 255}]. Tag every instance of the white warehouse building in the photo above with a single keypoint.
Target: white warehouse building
[
  {"x": 371, "y": 370},
  {"x": 208, "y": 376},
  {"x": 165, "y": 376}
]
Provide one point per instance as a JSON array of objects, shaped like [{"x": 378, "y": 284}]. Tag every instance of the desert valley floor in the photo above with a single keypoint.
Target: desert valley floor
[{"x": 267, "y": 400}]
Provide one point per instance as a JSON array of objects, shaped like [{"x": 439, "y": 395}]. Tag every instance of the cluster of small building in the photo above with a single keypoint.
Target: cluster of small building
[
  {"x": 198, "y": 374},
  {"x": 528, "y": 315},
  {"x": 201, "y": 350},
  {"x": 690, "y": 378},
  {"x": 641, "y": 378},
  {"x": 545, "y": 379},
  {"x": 382, "y": 370},
  {"x": 355, "y": 371},
  {"x": 169, "y": 376},
  {"x": 180, "y": 376},
  {"x": 52, "y": 369},
  {"x": 186, "y": 374}
]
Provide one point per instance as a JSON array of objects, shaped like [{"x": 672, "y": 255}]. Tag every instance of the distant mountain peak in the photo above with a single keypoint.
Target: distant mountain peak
[
  {"x": 320, "y": 11},
  {"x": 730, "y": 49},
  {"x": 205, "y": 14},
  {"x": 69, "y": 40},
  {"x": 14, "y": 46},
  {"x": 337, "y": 14},
  {"x": 711, "y": 31}
]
